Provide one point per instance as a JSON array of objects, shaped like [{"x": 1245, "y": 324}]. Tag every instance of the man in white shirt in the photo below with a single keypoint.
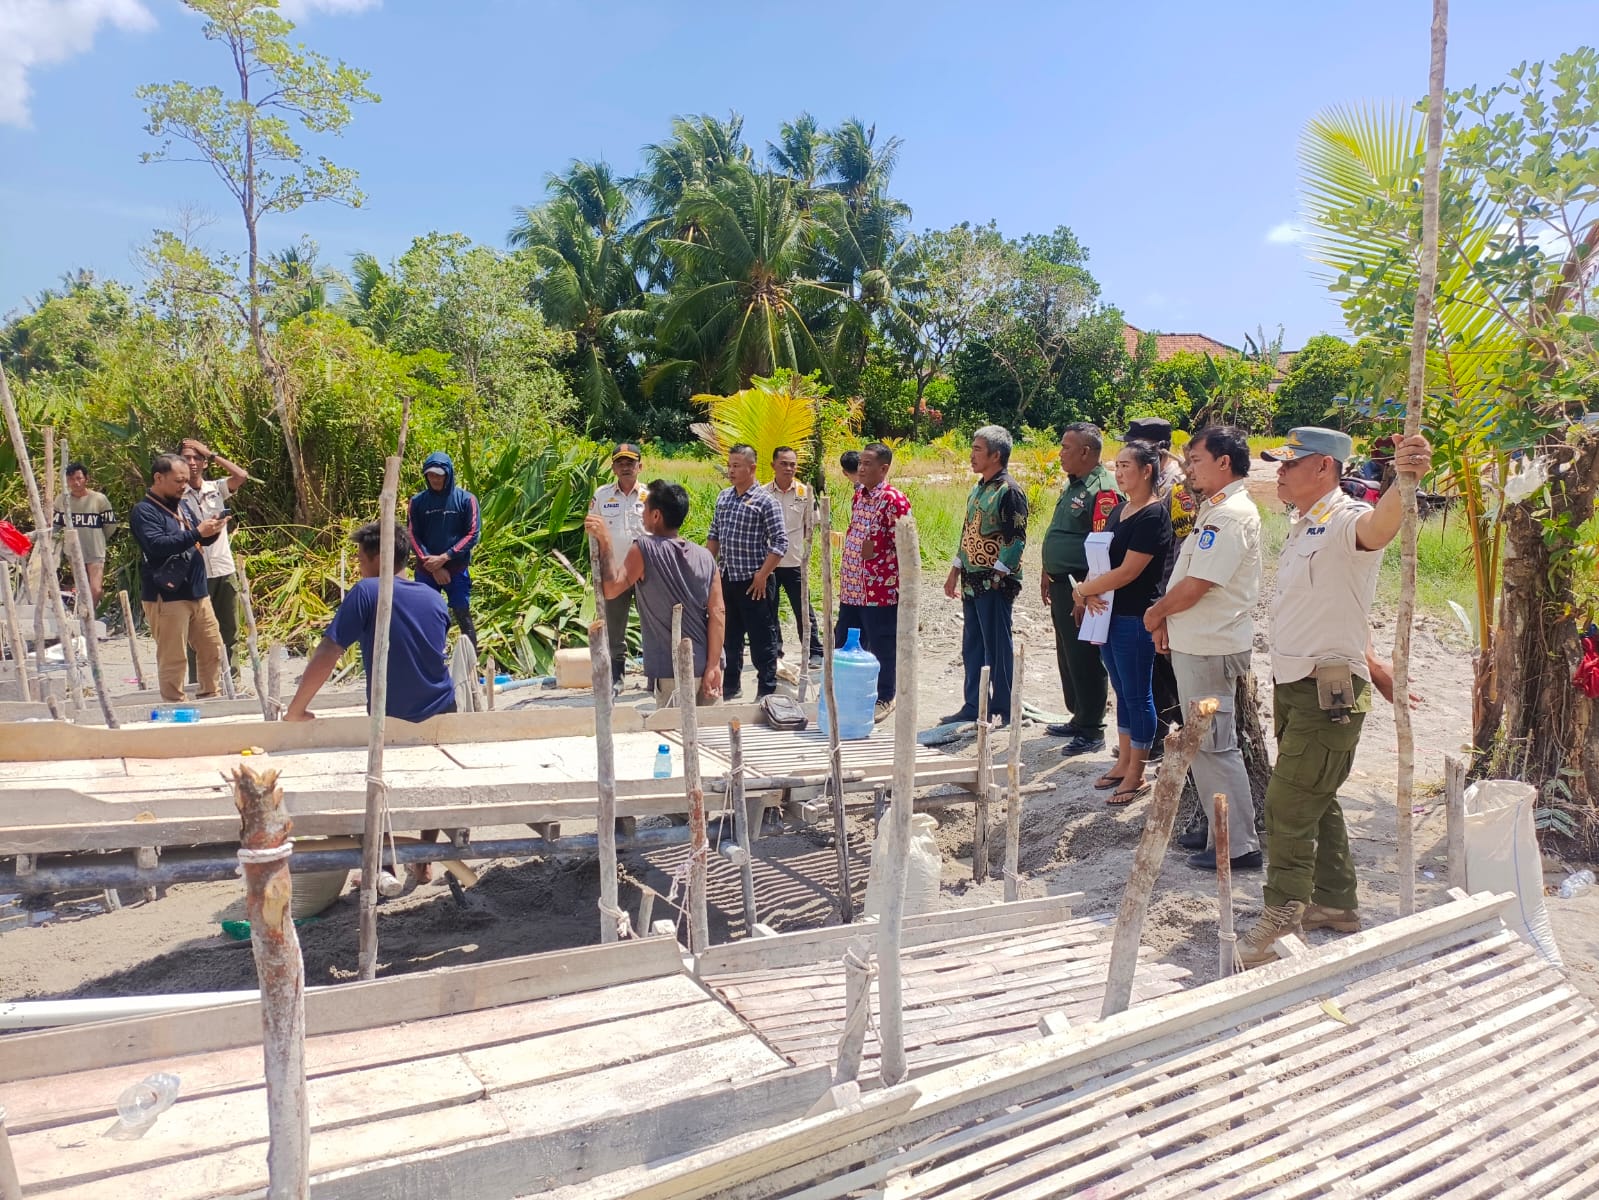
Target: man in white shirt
[
  {"x": 1320, "y": 637},
  {"x": 620, "y": 506},
  {"x": 209, "y": 498},
  {"x": 799, "y": 518},
  {"x": 1204, "y": 622}
]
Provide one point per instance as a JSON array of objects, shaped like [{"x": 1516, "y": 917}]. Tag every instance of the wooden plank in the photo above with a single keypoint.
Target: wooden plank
[
  {"x": 40, "y": 743},
  {"x": 92, "y": 1093},
  {"x": 77, "y": 1153},
  {"x": 336, "y": 1009},
  {"x": 516, "y": 1164},
  {"x": 242, "y": 1171},
  {"x": 815, "y": 945}
]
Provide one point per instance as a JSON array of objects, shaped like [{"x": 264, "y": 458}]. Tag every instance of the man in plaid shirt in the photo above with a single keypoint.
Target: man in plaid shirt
[
  {"x": 748, "y": 538},
  {"x": 869, "y": 578}
]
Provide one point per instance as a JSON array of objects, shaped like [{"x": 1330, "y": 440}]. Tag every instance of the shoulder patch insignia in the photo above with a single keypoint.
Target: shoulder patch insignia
[{"x": 1207, "y": 539}]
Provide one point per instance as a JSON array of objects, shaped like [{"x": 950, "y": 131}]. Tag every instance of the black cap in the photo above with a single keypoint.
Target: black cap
[{"x": 1154, "y": 430}]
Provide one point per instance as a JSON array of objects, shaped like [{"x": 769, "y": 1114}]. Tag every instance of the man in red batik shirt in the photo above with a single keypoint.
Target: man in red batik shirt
[{"x": 869, "y": 578}]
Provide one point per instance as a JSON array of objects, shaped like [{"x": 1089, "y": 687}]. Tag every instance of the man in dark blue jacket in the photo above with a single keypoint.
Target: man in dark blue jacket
[
  {"x": 172, "y": 581},
  {"x": 444, "y": 526}
]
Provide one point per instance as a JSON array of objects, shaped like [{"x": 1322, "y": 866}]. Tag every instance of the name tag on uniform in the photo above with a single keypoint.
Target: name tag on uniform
[{"x": 1315, "y": 529}]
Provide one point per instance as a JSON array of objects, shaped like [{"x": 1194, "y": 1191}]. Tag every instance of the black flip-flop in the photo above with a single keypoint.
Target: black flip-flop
[
  {"x": 1115, "y": 799},
  {"x": 1105, "y": 782}
]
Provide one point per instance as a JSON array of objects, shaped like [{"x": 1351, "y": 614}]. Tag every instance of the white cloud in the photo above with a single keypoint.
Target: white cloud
[
  {"x": 299, "y": 10},
  {"x": 38, "y": 33},
  {"x": 1285, "y": 233}
]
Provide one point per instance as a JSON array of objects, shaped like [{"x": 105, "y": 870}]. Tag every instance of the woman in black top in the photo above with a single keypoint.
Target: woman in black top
[{"x": 1141, "y": 534}]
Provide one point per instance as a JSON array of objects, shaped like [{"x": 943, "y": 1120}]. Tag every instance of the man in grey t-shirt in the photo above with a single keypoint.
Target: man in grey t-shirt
[{"x": 665, "y": 570}]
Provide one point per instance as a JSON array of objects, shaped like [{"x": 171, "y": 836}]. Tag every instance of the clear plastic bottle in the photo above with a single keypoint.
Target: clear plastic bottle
[
  {"x": 663, "y": 762},
  {"x": 1576, "y": 884},
  {"x": 855, "y": 674},
  {"x": 177, "y": 716},
  {"x": 140, "y": 1105}
]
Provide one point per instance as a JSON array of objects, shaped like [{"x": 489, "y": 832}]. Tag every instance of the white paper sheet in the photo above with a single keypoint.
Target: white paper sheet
[{"x": 1096, "y": 626}]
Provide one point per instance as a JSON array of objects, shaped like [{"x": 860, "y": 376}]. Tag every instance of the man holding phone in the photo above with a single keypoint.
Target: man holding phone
[{"x": 210, "y": 498}]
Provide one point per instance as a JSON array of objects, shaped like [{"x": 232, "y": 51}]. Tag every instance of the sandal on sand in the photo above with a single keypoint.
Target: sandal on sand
[
  {"x": 1105, "y": 782},
  {"x": 1122, "y": 799}
]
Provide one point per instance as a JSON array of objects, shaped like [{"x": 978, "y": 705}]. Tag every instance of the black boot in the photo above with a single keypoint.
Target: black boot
[{"x": 1197, "y": 835}]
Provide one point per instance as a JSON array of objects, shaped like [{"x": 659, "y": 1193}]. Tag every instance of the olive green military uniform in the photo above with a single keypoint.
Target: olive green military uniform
[{"x": 1081, "y": 510}]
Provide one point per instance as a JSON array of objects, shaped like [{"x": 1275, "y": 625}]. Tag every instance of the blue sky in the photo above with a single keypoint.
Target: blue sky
[{"x": 1164, "y": 133}]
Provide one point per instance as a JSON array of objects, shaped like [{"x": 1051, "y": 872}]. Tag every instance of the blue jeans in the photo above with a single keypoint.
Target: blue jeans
[
  {"x": 986, "y": 641},
  {"x": 1129, "y": 654}
]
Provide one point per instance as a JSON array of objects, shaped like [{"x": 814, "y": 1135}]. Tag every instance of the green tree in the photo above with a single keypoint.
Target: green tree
[
  {"x": 246, "y": 136},
  {"x": 701, "y": 151},
  {"x": 1326, "y": 369}
]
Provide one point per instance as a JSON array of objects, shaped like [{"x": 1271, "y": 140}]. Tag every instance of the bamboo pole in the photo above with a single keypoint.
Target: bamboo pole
[
  {"x": 1455, "y": 820},
  {"x": 1426, "y": 283},
  {"x": 985, "y": 783},
  {"x": 804, "y": 689},
  {"x": 604, "y": 750},
  {"x": 264, "y": 853},
  {"x": 835, "y": 755},
  {"x": 699, "y": 922},
  {"x": 19, "y": 648},
  {"x": 41, "y": 518},
  {"x": 890, "y": 984},
  {"x": 83, "y": 601},
  {"x": 488, "y": 684},
  {"x": 133, "y": 638},
  {"x": 1226, "y": 939},
  {"x": 1013, "y": 782},
  {"x": 741, "y": 823},
  {"x": 1180, "y": 750},
  {"x": 252, "y": 642},
  {"x": 377, "y": 703},
  {"x": 42, "y": 553}
]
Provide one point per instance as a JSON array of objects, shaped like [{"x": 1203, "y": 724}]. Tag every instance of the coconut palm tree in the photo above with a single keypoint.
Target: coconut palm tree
[
  {"x": 743, "y": 302},
  {"x": 374, "y": 302},
  {"x": 800, "y": 151},
  {"x": 701, "y": 150}
]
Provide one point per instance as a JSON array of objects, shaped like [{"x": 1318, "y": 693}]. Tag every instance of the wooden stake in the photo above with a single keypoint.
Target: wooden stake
[
  {"x": 377, "y": 701},
  {"x": 42, "y": 520},
  {"x": 805, "y": 606},
  {"x": 1180, "y": 750},
  {"x": 835, "y": 755},
  {"x": 604, "y": 749},
  {"x": 1421, "y": 324},
  {"x": 488, "y": 682},
  {"x": 857, "y": 1009},
  {"x": 228, "y": 691},
  {"x": 276, "y": 658},
  {"x": 741, "y": 823},
  {"x": 1013, "y": 782},
  {"x": 83, "y": 601},
  {"x": 699, "y": 921},
  {"x": 133, "y": 638},
  {"x": 10, "y": 1183},
  {"x": 890, "y": 985},
  {"x": 1455, "y": 819},
  {"x": 985, "y": 783},
  {"x": 1226, "y": 939},
  {"x": 253, "y": 643},
  {"x": 19, "y": 648},
  {"x": 264, "y": 853}
]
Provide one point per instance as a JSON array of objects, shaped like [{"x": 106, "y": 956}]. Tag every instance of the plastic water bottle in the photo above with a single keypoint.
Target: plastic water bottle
[
  {"x": 1576, "y": 884},
  {"x": 663, "y": 762},
  {"x": 141, "y": 1104},
  {"x": 177, "y": 716},
  {"x": 855, "y": 687}
]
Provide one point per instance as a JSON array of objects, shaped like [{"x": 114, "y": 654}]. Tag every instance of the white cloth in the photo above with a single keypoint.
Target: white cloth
[
  {"x": 623, "y": 514},
  {"x": 209, "y": 499},
  {"x": 1325, "y": 588}
]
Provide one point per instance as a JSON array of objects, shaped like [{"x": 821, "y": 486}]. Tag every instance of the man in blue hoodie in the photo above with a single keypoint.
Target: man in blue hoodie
[{"x": 444, "y": 526}]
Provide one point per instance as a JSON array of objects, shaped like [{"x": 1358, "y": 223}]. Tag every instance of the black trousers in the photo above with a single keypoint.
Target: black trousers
[
  {"x": 879, "y": 626},
  {"x": 787, "y": 581},
  {"x": 1168, "y": 707},
  {"x": 754, "y": 619},
  {"x": 616, "y": 614}
]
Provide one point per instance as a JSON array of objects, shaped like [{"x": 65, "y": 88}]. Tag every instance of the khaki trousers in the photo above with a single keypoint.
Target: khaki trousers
[{"x": 175, "y": 624}]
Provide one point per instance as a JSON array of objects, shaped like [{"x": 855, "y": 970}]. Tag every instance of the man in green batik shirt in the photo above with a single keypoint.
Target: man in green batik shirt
[{"x": 987, "y": 574}]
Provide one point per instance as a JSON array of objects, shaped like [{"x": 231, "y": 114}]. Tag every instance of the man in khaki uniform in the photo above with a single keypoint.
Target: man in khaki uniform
[
  {"x": 1204, "y": 622},
  {"x": 1320, "y": 627},
  {"x": 799, "y": 518},
  {"x": 620, "y": 506}
]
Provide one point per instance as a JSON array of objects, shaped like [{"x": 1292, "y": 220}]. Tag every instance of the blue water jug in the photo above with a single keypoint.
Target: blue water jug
[{"x": 855, "y": 686}]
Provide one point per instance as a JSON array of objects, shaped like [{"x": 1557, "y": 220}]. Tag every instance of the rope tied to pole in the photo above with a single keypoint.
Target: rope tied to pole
[{"x": 624, "y": 924}]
